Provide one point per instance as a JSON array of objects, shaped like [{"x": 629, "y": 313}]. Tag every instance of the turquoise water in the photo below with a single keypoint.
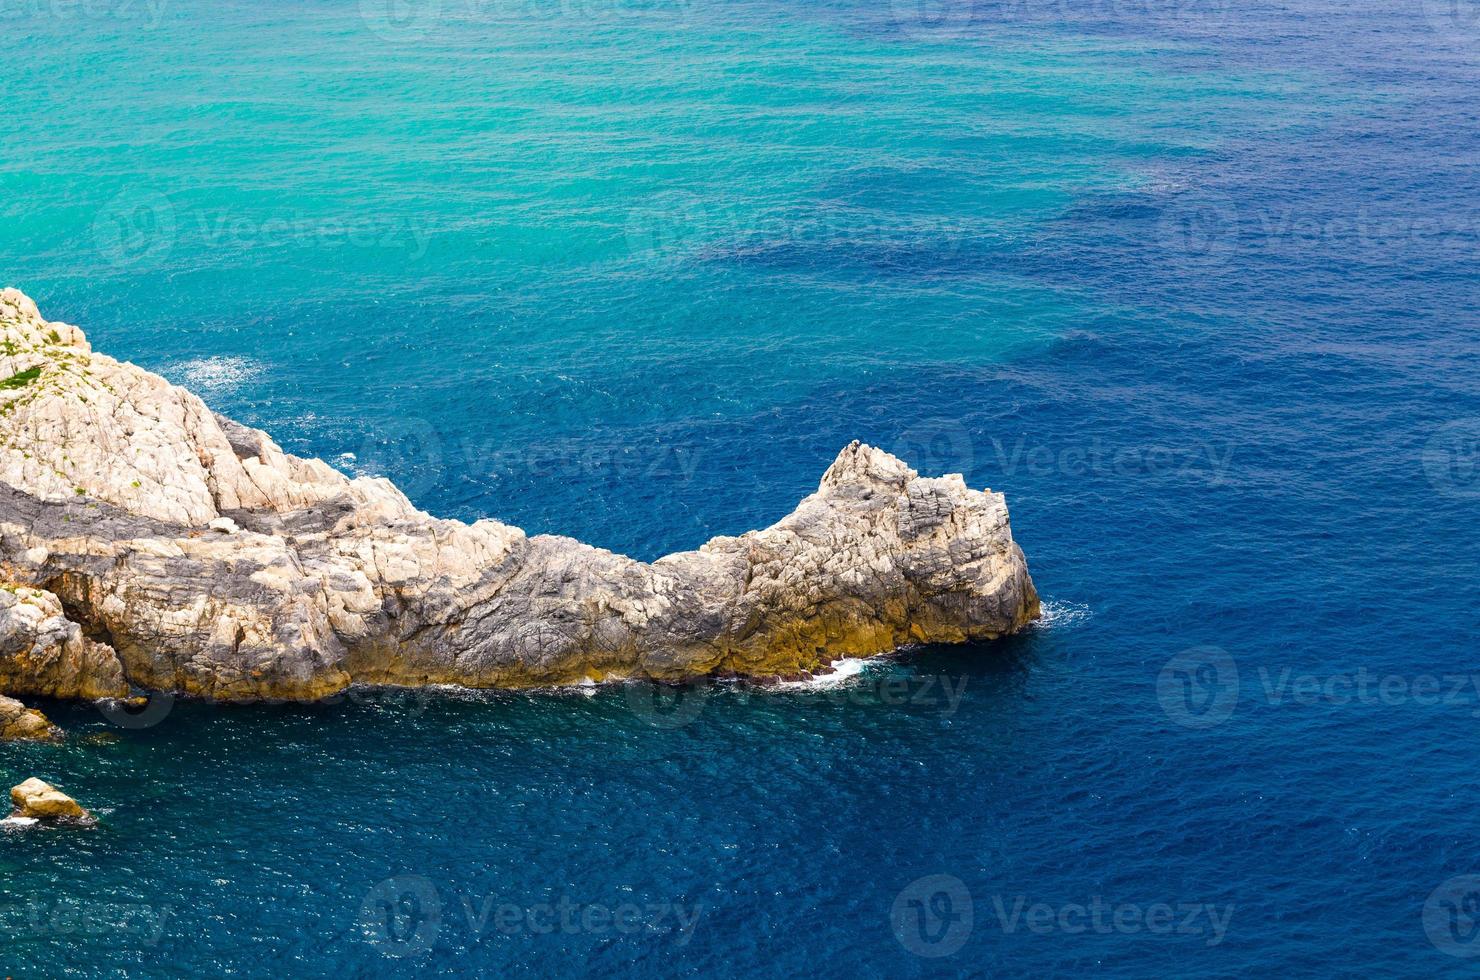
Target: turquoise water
[
  {"x": 1192, "y": 284},
  {"x": 570, "y": 229}
]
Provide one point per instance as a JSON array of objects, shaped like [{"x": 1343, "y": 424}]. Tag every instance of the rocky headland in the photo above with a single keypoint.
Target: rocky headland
[{"x": 148, "y": 544}]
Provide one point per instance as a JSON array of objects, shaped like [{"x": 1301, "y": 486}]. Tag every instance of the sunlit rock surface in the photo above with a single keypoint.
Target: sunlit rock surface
[{"x": 147, "y": 543}]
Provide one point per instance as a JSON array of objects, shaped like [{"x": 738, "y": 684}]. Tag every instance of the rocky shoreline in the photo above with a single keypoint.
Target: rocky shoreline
[{"x": 147, "y": 544}]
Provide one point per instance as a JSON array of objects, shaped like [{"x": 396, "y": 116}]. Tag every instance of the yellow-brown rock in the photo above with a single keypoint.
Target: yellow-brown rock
[
  {"x": 42, "y": 801},
  {"x": 19, "y": 723}
]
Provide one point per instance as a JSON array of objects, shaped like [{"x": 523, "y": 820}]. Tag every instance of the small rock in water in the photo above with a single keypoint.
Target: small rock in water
[{"x": 43, "y": 801}]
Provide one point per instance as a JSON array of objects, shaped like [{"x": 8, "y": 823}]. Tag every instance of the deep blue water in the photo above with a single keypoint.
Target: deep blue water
[{"x": 1192, "y": 283}]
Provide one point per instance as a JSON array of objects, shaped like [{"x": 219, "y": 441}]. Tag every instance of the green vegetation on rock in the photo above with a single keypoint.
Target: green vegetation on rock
[{"x": 20, "y": 380}]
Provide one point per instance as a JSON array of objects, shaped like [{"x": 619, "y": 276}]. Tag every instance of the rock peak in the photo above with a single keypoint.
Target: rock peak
[{"x": 861, "y": 462}]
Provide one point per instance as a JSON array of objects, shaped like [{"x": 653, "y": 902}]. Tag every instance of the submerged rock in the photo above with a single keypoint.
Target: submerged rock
[
  {"x": 17, "y": 722},
  {"x": 185, "y": 552},
  {"x": 37, "y": 800}
]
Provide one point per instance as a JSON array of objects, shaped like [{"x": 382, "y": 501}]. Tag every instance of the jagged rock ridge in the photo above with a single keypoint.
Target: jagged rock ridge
[{"x": 147, "y": 543}]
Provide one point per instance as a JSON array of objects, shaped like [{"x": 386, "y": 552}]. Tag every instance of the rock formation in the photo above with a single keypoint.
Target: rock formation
[
  {"x": 37, "y": 800},
  {"x": 21, "y": 723},
  {"x": 151, "y": 544},
  {"x": 44, "y": 653}
]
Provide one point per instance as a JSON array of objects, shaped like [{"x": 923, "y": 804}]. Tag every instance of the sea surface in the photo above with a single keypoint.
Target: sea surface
[{"x": 1193, "y": 282}]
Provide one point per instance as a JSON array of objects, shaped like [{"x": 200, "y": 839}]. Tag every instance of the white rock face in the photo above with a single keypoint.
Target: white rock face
[
  {"x": 211, "y": 562},
  {"x": 162, "y": 453}
]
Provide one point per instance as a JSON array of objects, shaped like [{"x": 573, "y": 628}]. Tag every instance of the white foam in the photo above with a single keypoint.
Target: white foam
[
  {"x": 17, "y": 823},
  {"x": 843, "y": 672},
  {"x": 1058, "y": 615},
  {"x": 213, "y": 375}
]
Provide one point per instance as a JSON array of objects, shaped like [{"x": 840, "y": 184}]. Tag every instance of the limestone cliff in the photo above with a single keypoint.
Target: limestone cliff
[{"x": 147, "y": 543}]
